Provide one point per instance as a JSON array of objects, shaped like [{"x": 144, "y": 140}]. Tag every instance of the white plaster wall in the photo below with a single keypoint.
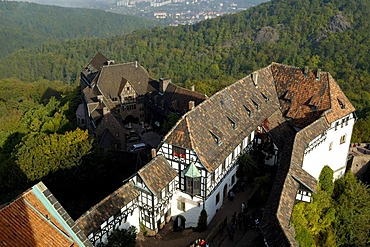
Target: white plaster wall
[
  {"x": 192, "y": 209},
  {"x": 132, "y": 220},
  {"x": 336, "y": 158},
  {"x": 210, "y": 205}
]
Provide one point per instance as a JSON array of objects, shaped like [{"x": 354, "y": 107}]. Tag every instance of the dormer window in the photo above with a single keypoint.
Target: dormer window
[
  {"x": 216, "y": 138},
  {"x": 342, "y": 106},
  {"x": 265, "y": 97},
  {"x": 250, "y": 113},
  {"x": 192, "y": 180},
  {"x": 256, "y": 105},
  {"x": 233, "y": 122}
]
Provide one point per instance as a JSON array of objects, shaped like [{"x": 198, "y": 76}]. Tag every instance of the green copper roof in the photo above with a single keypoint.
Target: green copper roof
[{"x": 192, "y": 171}]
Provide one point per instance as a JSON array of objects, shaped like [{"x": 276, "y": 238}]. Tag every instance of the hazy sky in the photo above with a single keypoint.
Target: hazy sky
[{"x": 64, "y": 3}]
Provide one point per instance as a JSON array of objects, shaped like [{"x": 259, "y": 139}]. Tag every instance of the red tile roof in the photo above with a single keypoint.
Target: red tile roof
[{"x": 26, "y": 222}]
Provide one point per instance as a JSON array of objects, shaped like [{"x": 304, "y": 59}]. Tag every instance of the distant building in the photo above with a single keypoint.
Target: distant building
[{"x": 117, "y": 94}]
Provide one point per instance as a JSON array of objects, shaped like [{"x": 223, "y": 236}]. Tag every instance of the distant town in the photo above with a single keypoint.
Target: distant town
[
  {"x": 179, "y": 12},
  {"x": 171, "y": 12}
]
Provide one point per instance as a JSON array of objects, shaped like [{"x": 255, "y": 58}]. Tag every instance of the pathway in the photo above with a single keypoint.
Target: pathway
[{"x": 168, "y": 238}]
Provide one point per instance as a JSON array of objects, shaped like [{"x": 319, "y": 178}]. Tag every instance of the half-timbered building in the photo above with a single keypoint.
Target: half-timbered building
[
  {"x": 117, "y": 94},
  {"x": 155, "y": 184},
  {"x": 303, "y": 112},
  {"x": 117, "y": 211}
]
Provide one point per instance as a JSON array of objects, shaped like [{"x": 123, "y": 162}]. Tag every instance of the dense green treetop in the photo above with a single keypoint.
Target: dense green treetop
[
  {"x": 338, "y": 217},
  {"x": 25, "y": 24},
  {"x": 328, "y": 34}
]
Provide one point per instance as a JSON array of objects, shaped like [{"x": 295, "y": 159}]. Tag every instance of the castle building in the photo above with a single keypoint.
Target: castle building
[
  {"x": 117, "y": 94},
  {"x": 303, "y": 112}
]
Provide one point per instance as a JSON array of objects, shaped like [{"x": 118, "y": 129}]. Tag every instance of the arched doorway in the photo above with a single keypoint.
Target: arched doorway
[
  {"x": 225, "y": 192},
  {"x": 130, "y": 119},
  {"x": 179, "y": 223}
]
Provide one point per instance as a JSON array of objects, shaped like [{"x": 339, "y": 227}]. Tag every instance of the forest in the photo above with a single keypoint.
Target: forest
[
  {"x": 328, "y": 34},
  {"x": 25, "y": 24},
  {"x": 39, "y": 90}
]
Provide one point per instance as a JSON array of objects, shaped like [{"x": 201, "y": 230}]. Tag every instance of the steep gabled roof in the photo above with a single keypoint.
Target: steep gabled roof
[
  {"x": 340, "y": 105},
  {"x": 110, "y": 79},
  {"x": 275, "y": 223},
  {"x": 304, "y": 98},
  {"x": 115, "y": 128},
  {"x": 36, "y": 218},
  {"x": 95, "y": 65},
  {"x": 92, "y": 219},
  {"x": 157, "y": 174},
  {"x": 215, "y": 137}
]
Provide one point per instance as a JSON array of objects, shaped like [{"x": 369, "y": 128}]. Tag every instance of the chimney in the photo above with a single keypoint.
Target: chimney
[
  {"x": 306, "y": 69},
  {"x": 105, "y": 110},
  {"x": 191, "y": 105},
  {"x": 154, "y": 153},
  {"x": 318, "y": 74},
  {"x": 163, "y": 83},
  {"x": 193, "y": 88},
  {"x": 255, "y": 78}
]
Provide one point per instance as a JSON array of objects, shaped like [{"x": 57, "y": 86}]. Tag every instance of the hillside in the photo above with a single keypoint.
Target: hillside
[
  {"x": 331, "y": 35},
  {"x": 26, "y": 24}
]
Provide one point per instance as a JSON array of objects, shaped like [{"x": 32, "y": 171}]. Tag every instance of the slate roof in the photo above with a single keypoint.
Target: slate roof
[
  {"x": 217, "y": 115},
  {"x": 27, "y": 222},
  {"x": 300, "y": 107},
  {"x": 92, "y": 219},
  {"x": 275, "y": 223},
  {"x": 95, "y": 65},
  {"x": 111, "y": 130},
  {"x": 306, "y": 97},
  {"x": 157, "y": 174},
  {"x": 110, "y": 79},
  {"x": 175, "y": 99},
  {"x": 301, "y": 98}
]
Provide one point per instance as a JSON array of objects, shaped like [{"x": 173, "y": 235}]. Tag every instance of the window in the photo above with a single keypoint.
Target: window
[
  {"x": 181, "y": 205},
  {"x": 331, "y": 146},
  {"x": 256, "y": 105},
  {"x": 223, "y": 167},
  {"x": 250, "y": 113},
  {"x": 233, "y": 179},
  {"x": 192, "y": 185},
  {"x": 217, "y": 198},
  {"x": 130, "y": 107},
  {"x": 128, "y": 88},
  {"x": 146, "y": 218},
  {"x": 178, "y": 152},
  {"x": 232, "y": 122},
  {"x": 336, "y": 125},
  {"x": 342, "y": 106},
  {"x": 216, "y": 138},
  {"x": 342, "y": 139},
  {"x": 265, "y": 97},
  {"x": 347, "y": 118},
  {"x": 213, "y": 178}
]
